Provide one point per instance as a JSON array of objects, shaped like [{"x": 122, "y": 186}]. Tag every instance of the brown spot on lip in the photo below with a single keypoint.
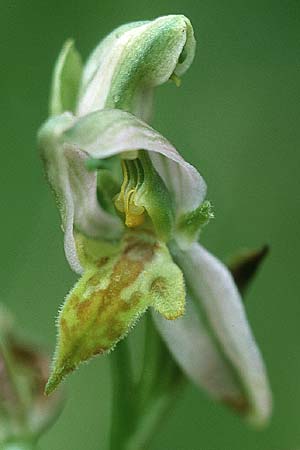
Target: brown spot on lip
[
  {"x": 65, "y": 328},
  {"x": 99, "y": 351},
  {"x": 138, "y": 250},
  {"x": 159, "y": 286},
  {"x": 94, "y": 280},
  {"x": 115, "y": 330},
  {"x": 82, "y": 309},
  {"x": 73, "y": 301},
  {"x": 99, "y": 318},
  {"x": 102, "y": 261}
]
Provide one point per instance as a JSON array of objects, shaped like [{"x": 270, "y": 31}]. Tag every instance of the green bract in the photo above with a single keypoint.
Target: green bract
[{"x": 132, "y": 209}]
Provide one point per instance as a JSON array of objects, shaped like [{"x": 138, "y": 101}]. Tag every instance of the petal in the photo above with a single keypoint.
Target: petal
[
  {"x": 212, "y": 288},
  {"x": 65, "y": 80},
  {"x": 109, "y": 298},
  {"x": 198, "y": 355},
  {"x": 88, "y": 215},
  {"x": 75, "y": 189},
  {"x": 126, "y": 66},
  {"x": 109, "y": 132}
]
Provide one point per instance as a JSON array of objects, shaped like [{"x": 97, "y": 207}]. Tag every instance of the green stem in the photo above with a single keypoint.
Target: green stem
[
  {"x": 160, "y": 382},
  {"x": 151, "y": 363},
  {"x": 123, "y": 413},
  {"x": 139, "y": 409},
  {"x": 148, "y": 422}
]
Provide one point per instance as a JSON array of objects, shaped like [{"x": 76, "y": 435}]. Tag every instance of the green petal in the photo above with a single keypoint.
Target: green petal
[
  {"x": 109, "y": 298},
  {"x": 190, "y": 224},
  {"x": 66, "y": 80}
]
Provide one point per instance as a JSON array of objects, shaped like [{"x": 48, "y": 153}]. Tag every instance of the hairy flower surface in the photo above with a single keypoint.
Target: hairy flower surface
[{"x": 132, "y": 209}]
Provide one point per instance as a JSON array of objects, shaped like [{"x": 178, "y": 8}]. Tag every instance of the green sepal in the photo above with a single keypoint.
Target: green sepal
[
  {"x": 66, "y": 80},
  {"x": 152, "y": 59},
  {"x": 189, "y": 225},
  {"x": 111, "y": 295},
  {"x": 130, "y": 62}
]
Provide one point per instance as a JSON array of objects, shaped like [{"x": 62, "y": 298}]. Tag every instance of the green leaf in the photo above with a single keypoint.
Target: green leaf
[
  {"x": 66, "y": 80},
  {"x": 109, "y": 298}
]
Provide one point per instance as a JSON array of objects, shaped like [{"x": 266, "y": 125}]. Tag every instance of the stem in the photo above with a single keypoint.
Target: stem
[
  {"x": 160, "y": 382},
  {"x": 123, "y": 414},
  {"x": 151, "y": 363},
  {"x": 138, "y": 409}
]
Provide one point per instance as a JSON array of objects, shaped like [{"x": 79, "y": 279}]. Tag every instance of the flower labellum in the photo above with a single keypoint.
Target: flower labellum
[{"x": 132, "y": 211}]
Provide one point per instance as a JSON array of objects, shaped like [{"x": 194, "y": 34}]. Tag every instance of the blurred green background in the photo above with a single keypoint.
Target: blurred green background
[{"x": 236, "y": 117}]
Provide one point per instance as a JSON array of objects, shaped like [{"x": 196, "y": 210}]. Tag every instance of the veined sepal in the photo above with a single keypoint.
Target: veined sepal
[
  {"x": 113, "y": 292},
  {"x": 126, "y": 66}
]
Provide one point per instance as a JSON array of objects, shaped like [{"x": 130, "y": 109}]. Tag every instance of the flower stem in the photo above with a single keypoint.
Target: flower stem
[
  {"x": 139, "y": 408},
  {"x": 123, "y": 392}
]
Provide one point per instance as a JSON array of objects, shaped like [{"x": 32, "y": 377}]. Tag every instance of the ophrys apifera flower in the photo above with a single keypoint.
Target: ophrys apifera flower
[{"x": 132, "y": 210}]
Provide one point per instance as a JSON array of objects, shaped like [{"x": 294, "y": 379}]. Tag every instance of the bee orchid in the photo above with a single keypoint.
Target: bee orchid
[{"x": 132, "y": 210}]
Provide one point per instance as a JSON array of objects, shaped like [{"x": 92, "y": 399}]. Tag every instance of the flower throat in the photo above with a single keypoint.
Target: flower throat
[{"x": 127, "y": 201}]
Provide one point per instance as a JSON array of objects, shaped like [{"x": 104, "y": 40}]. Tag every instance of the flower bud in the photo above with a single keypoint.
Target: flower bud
[{"x": 24, "y": 410}]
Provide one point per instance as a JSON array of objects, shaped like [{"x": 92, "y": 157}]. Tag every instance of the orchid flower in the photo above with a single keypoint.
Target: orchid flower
[
  {"x": 132, "y": 210},
  {"x": 25, "y": 413}
]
